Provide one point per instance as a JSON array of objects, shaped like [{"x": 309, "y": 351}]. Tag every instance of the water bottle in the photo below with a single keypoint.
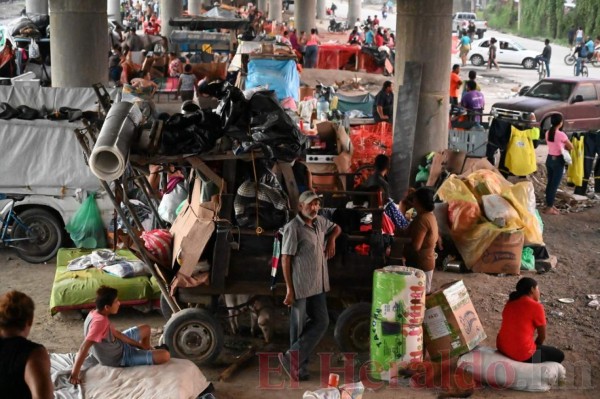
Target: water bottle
[{"x": 322, "y": 109}]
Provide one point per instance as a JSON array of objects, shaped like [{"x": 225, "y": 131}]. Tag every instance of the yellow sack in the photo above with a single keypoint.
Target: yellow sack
[
  {"x": 454, "y": 189},
  {"x": 520, "y": 154},
  {"x": 470, "y": 232},
  {"x": 485, "y": 182},
  {"x": 575, "y": 170},
  {"x": 522, "y": 198}
]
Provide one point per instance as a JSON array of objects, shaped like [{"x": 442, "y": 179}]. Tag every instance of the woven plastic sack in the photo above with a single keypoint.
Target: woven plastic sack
[
  {"x": 522, "y": 198},
  {"x": 86, "y": 227},
  {"x": 159, "y": 242}
]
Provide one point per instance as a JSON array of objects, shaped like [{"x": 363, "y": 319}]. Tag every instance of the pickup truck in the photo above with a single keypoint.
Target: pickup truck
[
  {"x": 461, "y": 20},
  {"x": 576, "y": 99}
]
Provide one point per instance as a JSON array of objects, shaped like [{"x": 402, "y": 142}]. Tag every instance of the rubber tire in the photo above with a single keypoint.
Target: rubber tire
[
  {"x": 595, "y": 63},
  {"x": 477, "y": 60},
  {"x": 355, "y": 316},
  {"x": 569, "y": 60},
  {"x": 529, "y": 61},
  {"x": 199, "y": 319},
  {"x": 330, "y": 29},
  {"x": 53, "y": 235}
]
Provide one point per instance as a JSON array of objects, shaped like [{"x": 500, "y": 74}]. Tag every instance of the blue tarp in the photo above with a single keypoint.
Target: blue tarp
[
  {"x": 280, "y": 75},
  {"x": 362, "y": 103}
]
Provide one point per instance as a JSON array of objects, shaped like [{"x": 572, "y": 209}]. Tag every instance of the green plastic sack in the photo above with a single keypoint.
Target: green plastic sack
[
  {"x": 527, "y": 259},
  {"x": 85, "y": 227},
  {"x": 422, "y": 174}
]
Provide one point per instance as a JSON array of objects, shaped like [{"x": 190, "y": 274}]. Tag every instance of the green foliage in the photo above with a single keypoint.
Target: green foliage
[{"x": 544, "y": 18}]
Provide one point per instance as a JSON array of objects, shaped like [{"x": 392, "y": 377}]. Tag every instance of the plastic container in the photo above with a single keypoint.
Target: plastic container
[
  {"x": 472, "y": 141},
  {"x": 322, "y": 109}
]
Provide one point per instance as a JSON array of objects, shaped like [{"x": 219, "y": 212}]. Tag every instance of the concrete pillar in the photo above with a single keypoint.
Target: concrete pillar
[
  {"x": 76, "y": 24},
  {"x": 429, "y": 22},
  {"x": 354, "y": 11},
  {"x": 113, "y": 9},
  {"x": 321, "y": 8},
  {"x": 304, "y": 15},
  {"x": 194, "y": 7},
  {"x": 262, "y": 6},
  {"x": 275, "y": 10},
  {"x": 36, "y": 6},
  {"x": 169, "y": 9}
]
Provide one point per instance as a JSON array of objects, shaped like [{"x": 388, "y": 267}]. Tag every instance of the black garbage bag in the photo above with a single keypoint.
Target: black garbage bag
[
  {"x": 190, "y": 134},
  {"x": 24, "y": 27},
  {"x": 378, "y": 56},
  {"x": 271, "y": 202},
  {"x": 41, "y": 21}
]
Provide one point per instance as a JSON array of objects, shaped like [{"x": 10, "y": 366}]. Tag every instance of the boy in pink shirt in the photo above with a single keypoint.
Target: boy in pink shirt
[{"x": 110, "y": 346}]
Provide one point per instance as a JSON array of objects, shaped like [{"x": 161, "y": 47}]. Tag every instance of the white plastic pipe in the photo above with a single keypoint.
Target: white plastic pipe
[{"x": 109, "y": 156}]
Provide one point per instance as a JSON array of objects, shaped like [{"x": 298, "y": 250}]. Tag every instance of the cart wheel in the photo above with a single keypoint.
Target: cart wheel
[
  {"x": 352, "y": 329},
  {"x": 194, "y": 334}
]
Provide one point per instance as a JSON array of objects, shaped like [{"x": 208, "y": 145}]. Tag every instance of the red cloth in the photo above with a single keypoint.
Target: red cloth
[
  {"x": 335, "y": 56},
  {"x": 99, "y": 327},
  {"x": 369, "y": 141},
  {"x": 520, "y": 319}
]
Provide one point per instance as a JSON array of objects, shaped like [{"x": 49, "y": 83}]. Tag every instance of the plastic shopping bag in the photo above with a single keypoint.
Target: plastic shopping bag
[{"x": 85, "y": 227}]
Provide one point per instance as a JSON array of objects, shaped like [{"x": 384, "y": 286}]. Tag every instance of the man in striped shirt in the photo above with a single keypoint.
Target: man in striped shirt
[{"x": 308, "y": 241}]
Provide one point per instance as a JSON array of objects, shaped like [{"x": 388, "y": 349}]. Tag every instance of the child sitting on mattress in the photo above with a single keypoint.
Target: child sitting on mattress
[{"x": 110, "y": 346}]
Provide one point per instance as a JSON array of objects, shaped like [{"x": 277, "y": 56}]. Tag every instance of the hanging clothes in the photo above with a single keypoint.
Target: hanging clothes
[
  {"x": 575, "y": 170},
  {"x": 520, "y": 154},
  {"x": 591, "y": 149}
]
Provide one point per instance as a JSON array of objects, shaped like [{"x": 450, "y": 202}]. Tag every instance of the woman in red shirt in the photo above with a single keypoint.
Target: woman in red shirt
[{"x": 522, "y": 316}]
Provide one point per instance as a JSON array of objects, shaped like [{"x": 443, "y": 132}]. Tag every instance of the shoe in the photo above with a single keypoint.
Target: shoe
[{"x": 286, "y": 366}]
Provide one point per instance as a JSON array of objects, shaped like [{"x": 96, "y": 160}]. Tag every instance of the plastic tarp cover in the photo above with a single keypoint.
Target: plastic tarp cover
[
  {"x": 43, "y": 157},
  {"x": 280, "y": 76},
  {"x": 363, "y": 103},
  {"x": 83, "y": 98},
  {"x": 77, "y": 290}
]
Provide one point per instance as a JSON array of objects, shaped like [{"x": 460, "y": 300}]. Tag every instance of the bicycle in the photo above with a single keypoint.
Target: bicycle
[
  {"x": 34, "y": 233},
  {"x": 541, "y": 70},
  {"x": 584, "y": 69}
]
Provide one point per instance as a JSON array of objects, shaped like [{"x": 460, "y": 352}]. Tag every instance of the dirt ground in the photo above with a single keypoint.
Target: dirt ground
[{"x": 574, "y": 327}]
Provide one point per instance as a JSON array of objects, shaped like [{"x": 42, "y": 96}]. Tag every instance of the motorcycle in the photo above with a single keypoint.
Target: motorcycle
[
  {"x": 337, "y": 26},
  {"x": 570, "y": 58}
]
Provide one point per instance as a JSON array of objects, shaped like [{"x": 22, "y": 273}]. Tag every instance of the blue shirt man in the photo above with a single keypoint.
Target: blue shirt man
[{"x": 369, "y": 37}]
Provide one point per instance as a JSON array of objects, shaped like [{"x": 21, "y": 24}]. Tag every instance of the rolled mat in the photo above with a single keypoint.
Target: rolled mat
[{"x": 399, "y": 295}]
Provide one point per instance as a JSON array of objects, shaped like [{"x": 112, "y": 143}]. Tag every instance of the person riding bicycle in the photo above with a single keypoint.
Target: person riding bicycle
[
  {"x": 581, "y": 54},
  {"x": 333, "y": 8},
  {"x": 589, "y": 44},
  {"x": 545, "y": 56}
]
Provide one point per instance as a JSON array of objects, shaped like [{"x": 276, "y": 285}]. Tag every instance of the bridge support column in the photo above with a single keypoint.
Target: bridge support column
[
  {"x": 304, "y": 15},
  {"x": 36, "y": 6},
  {"x": 169, "y": 9}
]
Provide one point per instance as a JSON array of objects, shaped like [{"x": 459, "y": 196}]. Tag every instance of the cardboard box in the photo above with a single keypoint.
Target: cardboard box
[
  {"x": 330, "y": 133},
  {"x": 191, "y": 230},
  {"x": 503, "y": 256},
  {"x": 305, "y": 91},
  {"x": 452, "y": 326}
]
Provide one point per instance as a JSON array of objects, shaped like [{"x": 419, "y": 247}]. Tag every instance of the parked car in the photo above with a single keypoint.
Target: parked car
[
  {"x": 461, "y": 20},
  {"x": 576, "y": 99},
  {"x": 508, "y": 52}
]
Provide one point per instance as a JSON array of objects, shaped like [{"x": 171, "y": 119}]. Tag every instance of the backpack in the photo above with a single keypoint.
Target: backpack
[{"x": 584, "y": 51}]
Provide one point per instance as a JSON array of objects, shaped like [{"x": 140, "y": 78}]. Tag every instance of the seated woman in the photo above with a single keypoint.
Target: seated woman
[
  {"x": 25, "y": 365},
  {"x": 523, "y": 314},
  {"x": 423, "y": 232}
]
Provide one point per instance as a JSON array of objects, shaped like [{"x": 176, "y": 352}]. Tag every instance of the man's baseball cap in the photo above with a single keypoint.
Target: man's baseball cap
[{"x": 308, "y": 196}]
